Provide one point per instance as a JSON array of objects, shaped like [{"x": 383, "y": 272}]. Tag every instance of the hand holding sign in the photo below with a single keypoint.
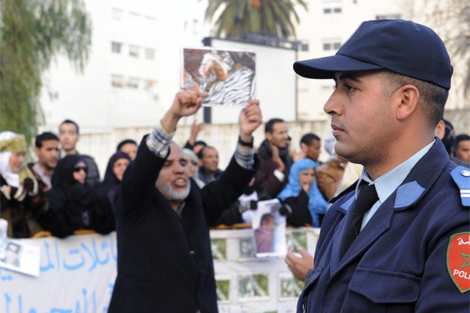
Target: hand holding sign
[
  {"x": 249, "y": 120},
  {"x": 186, "y": 103}
]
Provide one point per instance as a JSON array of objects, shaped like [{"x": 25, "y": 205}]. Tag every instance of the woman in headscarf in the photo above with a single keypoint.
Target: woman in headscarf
[
  {"x": 302, "y": 201},
  {"x": 73, "y": 206},
  {"x": 112, "y": 179},
  {"x": 191, "y": 157},
  {"x": 20, "y": 205}
]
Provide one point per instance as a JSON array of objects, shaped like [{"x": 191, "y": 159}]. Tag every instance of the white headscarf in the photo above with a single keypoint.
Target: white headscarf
[
  {"x": 13, "y": 179},
  {"x": 330, "y": 143},
  {"x": 210, "y": 58}
]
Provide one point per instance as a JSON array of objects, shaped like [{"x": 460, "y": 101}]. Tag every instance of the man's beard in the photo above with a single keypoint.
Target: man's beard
[{"x": 171, "y": 195}]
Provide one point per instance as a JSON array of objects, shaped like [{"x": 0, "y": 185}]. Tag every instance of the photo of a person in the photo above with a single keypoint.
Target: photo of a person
[
  {"x": 264, "y": 235},
  {"x": 296, "y": 241},
  {"x": 253, "y": 286},
  {"x": 219, "y": 249},
  {"x": 227, "y": 76},
  {"x": 223, "y": 290},
  {"x": 286, "y": 288},
  {"x": 246, "y": 249},
  {"x": 289, "y": 287},
  {"x": 12, "y": 254},
  {"x": 269, "y": 229}
]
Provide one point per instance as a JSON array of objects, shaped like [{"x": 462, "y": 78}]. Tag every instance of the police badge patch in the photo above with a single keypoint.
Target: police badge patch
[{"x": 458, "y": 260}]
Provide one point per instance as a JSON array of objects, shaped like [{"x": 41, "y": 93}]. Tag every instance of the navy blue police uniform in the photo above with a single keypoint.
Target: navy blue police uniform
[{"x": 404, "y": 260}]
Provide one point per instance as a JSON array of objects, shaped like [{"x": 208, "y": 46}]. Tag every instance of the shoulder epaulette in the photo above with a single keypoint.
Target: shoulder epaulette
[{"x": 461, "y": 176}]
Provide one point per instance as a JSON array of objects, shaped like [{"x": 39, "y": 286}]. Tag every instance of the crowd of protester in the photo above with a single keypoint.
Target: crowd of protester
[{"x": 62, "y": 192}]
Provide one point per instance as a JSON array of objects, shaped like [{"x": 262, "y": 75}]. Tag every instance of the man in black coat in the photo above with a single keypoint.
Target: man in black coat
[{"x": 164, "y": 256}]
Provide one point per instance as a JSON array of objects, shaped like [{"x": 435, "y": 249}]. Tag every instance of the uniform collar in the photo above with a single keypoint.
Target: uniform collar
[
  {"x": 389, "y": 182},
  {"x": 415, "y": 185}
]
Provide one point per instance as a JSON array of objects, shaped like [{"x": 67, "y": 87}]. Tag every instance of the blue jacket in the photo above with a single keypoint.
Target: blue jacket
[{"x": 398, "y": 263}]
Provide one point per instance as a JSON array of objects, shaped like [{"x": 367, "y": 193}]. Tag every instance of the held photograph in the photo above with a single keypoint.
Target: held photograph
[
  {"x": 219, "y": 249},
  {"x": 289, "y": 287},
  {"x": 222, "y": 283},
  {"x": 253, "y": 286},
  {"x": 228, "y": 77},
  {"x": 269, "y": 229}
]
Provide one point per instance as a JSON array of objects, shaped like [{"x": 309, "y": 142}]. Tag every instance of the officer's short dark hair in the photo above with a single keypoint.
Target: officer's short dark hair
[
  {"x": 432, "y": 98},
  {"x": 71, "y": 122},
  {"x": 308, "y": 138},
  {"x": 125, "y": 142},
  {"x": 45, "y": 137},
  {"x": 268, "y": 128}
]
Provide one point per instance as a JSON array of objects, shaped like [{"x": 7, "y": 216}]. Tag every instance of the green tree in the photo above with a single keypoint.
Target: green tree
[
  {"x": 451, "y": 20},
  {"x": 32, "y": 34},
  {"x": 269, "y": 17}
]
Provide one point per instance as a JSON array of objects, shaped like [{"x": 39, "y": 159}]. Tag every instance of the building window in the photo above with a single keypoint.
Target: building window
[
  {"x": 331, "y": 45},
  {"x": 149, "y": 53},
  {"x": 133, "y": 83},
  {"x": 335, "y": 10},
  {"x": 116, "y": 47},
  {"x": 117, "y": 14},
  {"x": 117, "y": 81},
  {"x": 134, "y": 51}
]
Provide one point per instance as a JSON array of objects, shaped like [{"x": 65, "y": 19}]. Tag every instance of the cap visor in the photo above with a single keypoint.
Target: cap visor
[{"x": 326, "y": 67}]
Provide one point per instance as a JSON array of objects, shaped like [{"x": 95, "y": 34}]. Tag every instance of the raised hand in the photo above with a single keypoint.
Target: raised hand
[
  {"x": 249, "y": 120},
  {"x": 277, "y": 159},
  {"x": 298, "y": 156},
  {"x": 186, "y": 102},
  {"x": 196, "y": 128}
]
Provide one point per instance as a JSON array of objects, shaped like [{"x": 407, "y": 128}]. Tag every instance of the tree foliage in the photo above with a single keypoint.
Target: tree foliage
[
  {"x": 451, "y": 19},
  {"x": 32, "y": 34},
  {"x": 269, "y": 17}
]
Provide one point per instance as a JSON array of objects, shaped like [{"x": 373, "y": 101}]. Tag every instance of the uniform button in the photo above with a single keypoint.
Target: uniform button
[
  {"x": 192, "y": 252},
  {"x": 465, "y": 173}
]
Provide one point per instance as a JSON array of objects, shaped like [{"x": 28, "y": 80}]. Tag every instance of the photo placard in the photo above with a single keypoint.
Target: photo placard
[{"x": 227, "y": 76}]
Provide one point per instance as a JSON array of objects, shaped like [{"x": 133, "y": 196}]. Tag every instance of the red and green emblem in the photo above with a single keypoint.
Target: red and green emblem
[{"x": 458, "y": 260}]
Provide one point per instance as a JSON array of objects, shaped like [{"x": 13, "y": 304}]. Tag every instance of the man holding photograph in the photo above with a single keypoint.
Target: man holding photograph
[{"x": 163, "y": 217}]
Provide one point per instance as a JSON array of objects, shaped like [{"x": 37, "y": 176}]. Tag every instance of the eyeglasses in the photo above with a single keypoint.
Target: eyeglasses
[
  {"x": 194, "y": 163},
  {"x": 79, "y": 168}
]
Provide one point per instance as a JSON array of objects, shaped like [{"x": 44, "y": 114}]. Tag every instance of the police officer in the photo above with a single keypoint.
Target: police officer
[{"x": 397, "y": 240}]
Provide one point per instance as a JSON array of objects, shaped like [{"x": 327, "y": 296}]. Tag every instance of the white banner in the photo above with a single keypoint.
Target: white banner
[{"x": 77, "y": 275}]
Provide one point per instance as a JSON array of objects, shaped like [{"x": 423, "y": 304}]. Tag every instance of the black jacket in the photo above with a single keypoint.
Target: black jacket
[
  {"x": 74, "y": 206},
  {"x": 296, "y": 210},
  {"x": 265, "y": 178},
  {"x": 164, "y": 261}
]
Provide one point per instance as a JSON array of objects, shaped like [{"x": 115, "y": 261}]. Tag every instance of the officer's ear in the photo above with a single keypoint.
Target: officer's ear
[{"x": 406, "y": 100}]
